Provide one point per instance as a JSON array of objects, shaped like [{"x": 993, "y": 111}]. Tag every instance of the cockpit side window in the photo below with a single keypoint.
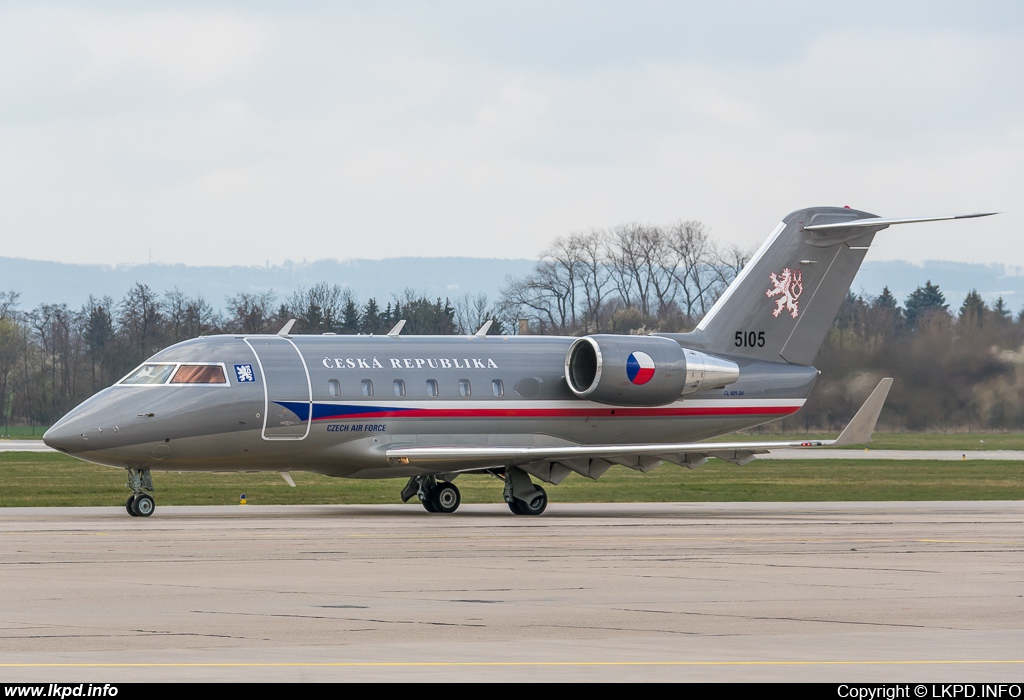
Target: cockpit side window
[
  {"x": 150, "y": 373},
  {"x": 199, "y": 374}
]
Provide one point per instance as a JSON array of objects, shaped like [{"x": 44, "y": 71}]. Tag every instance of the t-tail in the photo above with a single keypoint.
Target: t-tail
[{"x": 781, "y": 305}]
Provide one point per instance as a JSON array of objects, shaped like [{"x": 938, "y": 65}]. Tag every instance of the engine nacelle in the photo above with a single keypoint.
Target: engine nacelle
[{"x": 636, "y": 370}]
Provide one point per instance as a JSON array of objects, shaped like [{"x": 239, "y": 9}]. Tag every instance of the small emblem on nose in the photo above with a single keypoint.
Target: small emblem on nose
[{"x": 245, "y": 373}]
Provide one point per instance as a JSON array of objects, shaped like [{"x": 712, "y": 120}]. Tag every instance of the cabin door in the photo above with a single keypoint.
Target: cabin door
[{"x": 288, "y": 396}]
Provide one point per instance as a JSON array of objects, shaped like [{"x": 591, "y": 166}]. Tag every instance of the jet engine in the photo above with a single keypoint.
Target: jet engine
[{"x": 641, "y": 370}]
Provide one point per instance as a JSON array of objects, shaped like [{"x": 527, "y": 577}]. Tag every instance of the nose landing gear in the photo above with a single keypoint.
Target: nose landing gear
[{"x": 140, "y": 503}]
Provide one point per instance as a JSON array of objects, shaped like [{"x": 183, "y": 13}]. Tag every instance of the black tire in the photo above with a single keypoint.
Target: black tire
[
  {"x": 128, "y": 505},
  {"x": 144, "y": 505},
  {"x": 513, "y": 506},
  {"x": 445, "y": 498},
  {"x": 428, "y": 504},
  {"x": 535, "y": 506}
]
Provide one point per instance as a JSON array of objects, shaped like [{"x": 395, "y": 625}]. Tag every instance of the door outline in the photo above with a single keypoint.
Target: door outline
[{"x": 266, "y": 393}]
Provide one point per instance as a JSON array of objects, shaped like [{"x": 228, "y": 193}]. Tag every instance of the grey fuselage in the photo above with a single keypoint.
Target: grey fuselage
[{"x": 304, "y": 403}]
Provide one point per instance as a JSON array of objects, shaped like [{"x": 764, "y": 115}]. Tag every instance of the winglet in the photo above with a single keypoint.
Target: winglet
[
  {"x": 484, "y": 328},
  {"x": 397, "y": 330},
  {"x": 858, "y": 432},
  {"x": 286, "y": 329}
]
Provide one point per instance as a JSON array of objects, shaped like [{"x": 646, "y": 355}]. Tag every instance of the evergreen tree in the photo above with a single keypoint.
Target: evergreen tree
[
  {"x": 350, "y": 321},
  {"x": 886, "y": 300},
  {"x": 973, "y": 310},
  {"x": 372, "y": 322},
  {"x": 1000, "y": 311},
  {"x": 923, "y": 301}
]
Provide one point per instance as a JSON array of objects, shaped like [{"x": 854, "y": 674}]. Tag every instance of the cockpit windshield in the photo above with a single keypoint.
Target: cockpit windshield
[
  {"x": 157, "y": 373},
  {"x": 150, "y": 374}
]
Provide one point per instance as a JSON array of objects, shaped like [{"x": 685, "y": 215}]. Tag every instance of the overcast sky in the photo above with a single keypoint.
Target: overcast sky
[{"x": 240, "y": 133}]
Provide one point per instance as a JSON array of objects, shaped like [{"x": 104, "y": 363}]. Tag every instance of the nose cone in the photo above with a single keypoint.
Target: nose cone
[{"x": 67, "y": 435}]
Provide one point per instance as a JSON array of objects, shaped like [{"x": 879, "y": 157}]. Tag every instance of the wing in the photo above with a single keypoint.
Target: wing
[{"x": 553, "y": 464}]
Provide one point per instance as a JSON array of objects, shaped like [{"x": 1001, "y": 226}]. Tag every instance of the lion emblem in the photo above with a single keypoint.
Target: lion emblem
[{"x": 788, "y": 287}]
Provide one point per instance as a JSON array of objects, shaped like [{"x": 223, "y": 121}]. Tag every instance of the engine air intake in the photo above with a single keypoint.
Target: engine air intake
[{"x": 641, "y": 370}]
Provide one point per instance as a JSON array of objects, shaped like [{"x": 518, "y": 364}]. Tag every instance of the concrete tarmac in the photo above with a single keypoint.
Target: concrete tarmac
[
  {"x": 24, "y": 446},
  {"x": 594, "y": 592}
]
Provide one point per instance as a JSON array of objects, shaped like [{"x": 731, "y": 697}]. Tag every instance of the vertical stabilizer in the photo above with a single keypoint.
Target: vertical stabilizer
[{"x": 782, "y": 304}]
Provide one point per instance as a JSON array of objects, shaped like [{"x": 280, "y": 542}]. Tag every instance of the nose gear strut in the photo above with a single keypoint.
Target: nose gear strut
[{"x": 140, "y": 503}]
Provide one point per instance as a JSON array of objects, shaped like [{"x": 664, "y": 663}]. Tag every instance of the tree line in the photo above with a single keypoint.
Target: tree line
[
  {"x": 53, "y": 357},
  {"x": 627, "y": 279},
  {"x": 955, "y": 367}
]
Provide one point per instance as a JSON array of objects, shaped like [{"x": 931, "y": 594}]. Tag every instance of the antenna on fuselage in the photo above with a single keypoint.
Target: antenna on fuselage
[
  {"x": 484, "y": 328},
  {"x": 287, "y": 329},
  {"x": 397, "y": 330}
]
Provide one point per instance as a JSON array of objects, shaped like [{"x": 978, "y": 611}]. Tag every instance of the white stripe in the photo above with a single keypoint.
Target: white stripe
[{"x": 742, "y": 276}]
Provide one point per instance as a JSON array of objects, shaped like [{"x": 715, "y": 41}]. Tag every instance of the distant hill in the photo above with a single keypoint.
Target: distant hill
[
  {"x": 955, "y": 279},
  {"x": 52, "y": 282}
]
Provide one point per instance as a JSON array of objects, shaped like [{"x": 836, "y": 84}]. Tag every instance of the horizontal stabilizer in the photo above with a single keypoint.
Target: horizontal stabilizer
[{"x": 880, "y": 223}]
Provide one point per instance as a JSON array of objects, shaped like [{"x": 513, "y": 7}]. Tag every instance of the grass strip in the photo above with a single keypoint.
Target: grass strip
[{"x": 42, "y": 479}]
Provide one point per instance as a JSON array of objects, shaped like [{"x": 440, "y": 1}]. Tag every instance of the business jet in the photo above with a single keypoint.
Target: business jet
[{"x": 429, "y": 408}]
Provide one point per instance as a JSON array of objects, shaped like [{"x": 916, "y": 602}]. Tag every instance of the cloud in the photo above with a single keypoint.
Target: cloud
[
  {"x": 187, "y": 49},
  {"x": 347, "y": 131}
]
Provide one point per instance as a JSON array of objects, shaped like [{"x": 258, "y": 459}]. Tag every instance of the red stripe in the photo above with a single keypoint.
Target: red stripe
[{"x": 566, "y": 412}]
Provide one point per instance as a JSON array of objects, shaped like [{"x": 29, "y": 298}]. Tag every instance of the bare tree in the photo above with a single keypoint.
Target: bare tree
[
  {"x": 694, "y": 271},
  {"x": 319, "y": 309},
  {"x": 640, "y": 269},
  {"x": 472, "y": 312},
  {"x": 251, "y": 313},
  {"x": 594, "y": 275},
  {"x": 187, "y": 317},
  {"x": 139, "y": 317},
  {"x": 97, "y": 329}
]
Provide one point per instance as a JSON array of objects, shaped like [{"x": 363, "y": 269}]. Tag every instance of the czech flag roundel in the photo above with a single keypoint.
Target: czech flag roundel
[{"x": 639, "y": 368}]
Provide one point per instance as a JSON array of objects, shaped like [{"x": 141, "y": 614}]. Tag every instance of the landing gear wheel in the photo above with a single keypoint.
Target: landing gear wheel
[
  {"x": 513, "y": 506},
  {"x": 144, "y": 505},
  {"x": 445, "y": 497},
  {"x": 536, "y": 506},
  {"x": 427, "y": 505},
  {"x": 128, "y": 505}
]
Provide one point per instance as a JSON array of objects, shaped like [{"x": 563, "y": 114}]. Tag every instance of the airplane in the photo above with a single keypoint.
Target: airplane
[{"x": 429, "y": 408}]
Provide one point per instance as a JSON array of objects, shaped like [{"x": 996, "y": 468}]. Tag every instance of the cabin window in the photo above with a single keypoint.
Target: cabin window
[
  {"x": 464, "y": 388},
  {"x": 367, "y": 387},
  {"x": 150, "y": 373},
  {"x": 432, "y": 390},
  {"x": 199, "y": 374},
  {"x": 497, "y": 388},
  {"x": 399, "y": 388},
  {"x": 334, "y": 387}
]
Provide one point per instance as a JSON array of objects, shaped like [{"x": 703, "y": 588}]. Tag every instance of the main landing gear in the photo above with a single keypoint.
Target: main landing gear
[
  {"x": 522, "y": 495},
  {"x": 140, "y": 503},
  {"x": 436, "y": 496}
]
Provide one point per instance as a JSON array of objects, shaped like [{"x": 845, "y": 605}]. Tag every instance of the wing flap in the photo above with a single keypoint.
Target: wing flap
[{"x": 549, "y": 463}]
